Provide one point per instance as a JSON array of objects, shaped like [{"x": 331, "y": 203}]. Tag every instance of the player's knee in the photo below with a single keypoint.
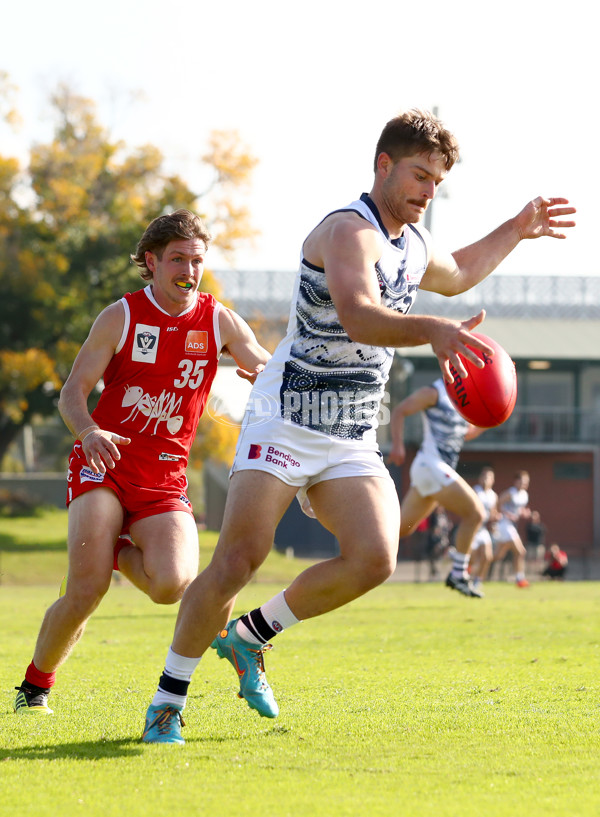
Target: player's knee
[
  {"x": 378, "y": 569},
  {"x": 169, "y": 589},
  {"x": 232, "y": 571},
  {"x": 83, "y": 597}
]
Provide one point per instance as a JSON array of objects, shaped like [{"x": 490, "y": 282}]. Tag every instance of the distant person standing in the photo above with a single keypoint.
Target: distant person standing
[
  {"x": 535, "y": 535},
  {"x": 513, "y": 504},
  {"x": 482, "y": 552}
]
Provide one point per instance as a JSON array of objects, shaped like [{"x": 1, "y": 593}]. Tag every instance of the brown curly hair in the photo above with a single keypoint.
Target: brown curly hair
[
  {"x": 164, "y": 229},
  {"x": 416, "y": 131}
]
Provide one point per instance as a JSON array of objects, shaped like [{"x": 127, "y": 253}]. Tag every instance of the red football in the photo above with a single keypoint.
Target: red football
[{"x": 487, "y": 396}]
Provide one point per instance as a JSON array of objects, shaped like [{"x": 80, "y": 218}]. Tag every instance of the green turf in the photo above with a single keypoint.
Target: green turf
[
  {"x": 411, "y": 701},
  {"x": 33, "y": 551}
]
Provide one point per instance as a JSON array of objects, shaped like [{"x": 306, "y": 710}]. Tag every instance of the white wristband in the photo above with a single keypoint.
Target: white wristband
[{"x": 81, "y": 437}]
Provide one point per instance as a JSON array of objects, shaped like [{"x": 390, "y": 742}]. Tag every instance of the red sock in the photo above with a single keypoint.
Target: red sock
[
  {"x": 122, "y": 542},
  {"x": 45, "y": 680}
]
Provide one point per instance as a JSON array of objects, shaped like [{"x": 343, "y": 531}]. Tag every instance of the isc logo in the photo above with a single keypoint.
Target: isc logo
[{"x": 196, "y": 343}]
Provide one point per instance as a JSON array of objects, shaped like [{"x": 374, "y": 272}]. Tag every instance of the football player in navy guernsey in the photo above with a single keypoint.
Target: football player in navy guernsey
[
  {"x": 433, "y": 477},
  {"x": 360, "y": 270},
  {"x": 156, "y": 351}
]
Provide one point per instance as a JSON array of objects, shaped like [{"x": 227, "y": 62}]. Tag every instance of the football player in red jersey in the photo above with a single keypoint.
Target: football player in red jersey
[{"x": 156, "y": 351}]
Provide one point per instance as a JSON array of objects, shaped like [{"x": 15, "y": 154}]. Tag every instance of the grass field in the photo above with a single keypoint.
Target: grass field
[{"x": 412, "y": 700}]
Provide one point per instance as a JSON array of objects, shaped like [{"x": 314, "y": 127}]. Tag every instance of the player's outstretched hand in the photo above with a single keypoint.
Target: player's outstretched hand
[
  {"x": 100, "y": 449},
  {"x": 539, "y": 218},
  {"x": 449, "y": 343}
]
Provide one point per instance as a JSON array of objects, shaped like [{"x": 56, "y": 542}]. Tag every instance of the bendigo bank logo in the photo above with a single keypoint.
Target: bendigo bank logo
[
  {"x": 196, "y": 343},
  {"x": 254, "y": 452}
]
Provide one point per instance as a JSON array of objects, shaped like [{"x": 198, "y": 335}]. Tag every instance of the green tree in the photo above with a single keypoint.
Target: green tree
[{"x": 68, "y": 222}]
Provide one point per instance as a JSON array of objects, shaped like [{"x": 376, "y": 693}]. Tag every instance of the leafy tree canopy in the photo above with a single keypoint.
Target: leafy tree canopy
[{"x": 68, "y": 222}]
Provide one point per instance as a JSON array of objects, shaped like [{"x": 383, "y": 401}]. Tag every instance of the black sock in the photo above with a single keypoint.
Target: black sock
[{"x": 257, "y": 625}]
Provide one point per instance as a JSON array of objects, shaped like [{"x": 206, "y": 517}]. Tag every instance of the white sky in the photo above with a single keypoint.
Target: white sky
[{"x": 309, "y": 88}]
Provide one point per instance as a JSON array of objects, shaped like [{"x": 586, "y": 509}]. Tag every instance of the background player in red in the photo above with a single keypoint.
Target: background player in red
[{"x": 157, "y": 352}]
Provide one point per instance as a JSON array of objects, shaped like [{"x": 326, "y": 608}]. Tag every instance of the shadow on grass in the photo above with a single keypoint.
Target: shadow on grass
[
  {"x": 92, "y": 750},
  {"x": 83, "y": 750}
]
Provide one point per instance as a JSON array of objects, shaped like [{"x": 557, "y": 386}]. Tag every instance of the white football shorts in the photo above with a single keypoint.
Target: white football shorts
[
  {"x": 506, "y": 531},
  {"x": 430, "y": 474},
  {"x": 301, "y": 457},
  {"x": 482, "y": 538}
]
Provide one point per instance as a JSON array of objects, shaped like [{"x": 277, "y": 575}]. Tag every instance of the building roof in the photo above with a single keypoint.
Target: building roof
[{"x": 536, "y": 339}]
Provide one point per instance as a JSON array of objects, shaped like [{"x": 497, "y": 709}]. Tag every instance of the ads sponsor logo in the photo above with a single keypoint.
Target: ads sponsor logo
[
  {"x": 271, "y": 454},
  {"x": 169, "y": 457},
  {"x": 227, "y": 411},
  {"x": 87, "y": 475},
  {"x": 145, "y": 343},
  {"x": 196, "y": 343}
]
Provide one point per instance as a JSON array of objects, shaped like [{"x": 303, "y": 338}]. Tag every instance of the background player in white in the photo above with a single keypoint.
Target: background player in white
[
  {"x": 157, "y": 352},
  {"x": 360, "y": 271},
  {"x": 433, "y": 477},
  {"x": 513, "y": 506},
  {"x": 482, "y": 552}
]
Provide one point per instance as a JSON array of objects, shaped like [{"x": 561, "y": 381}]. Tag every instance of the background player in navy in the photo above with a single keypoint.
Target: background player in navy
[
  {"x": 156, "y": 351},
  {"x": 360, "y": 270},
  {"x": 433, "y": 477}
]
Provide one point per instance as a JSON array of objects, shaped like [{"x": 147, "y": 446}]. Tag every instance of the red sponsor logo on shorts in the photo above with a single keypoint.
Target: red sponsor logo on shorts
[
  {"x": 196, "y": 343},
  {"x": 254, "y": 452}
]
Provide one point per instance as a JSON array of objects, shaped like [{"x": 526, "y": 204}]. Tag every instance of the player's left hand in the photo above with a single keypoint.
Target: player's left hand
[
  {"x": 251, "y": 376},
  {"x": 539, "y": 218}
]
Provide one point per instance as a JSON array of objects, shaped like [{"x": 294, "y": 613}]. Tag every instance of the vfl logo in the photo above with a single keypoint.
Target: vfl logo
[
  {"x": 254, "y": 452},
  {"x": 196, "y": 343},
  {"x": 145, "y": 344}
]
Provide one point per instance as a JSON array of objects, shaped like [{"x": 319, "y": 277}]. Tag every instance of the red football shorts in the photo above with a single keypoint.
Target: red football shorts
[{"x": 137, "y": 501}]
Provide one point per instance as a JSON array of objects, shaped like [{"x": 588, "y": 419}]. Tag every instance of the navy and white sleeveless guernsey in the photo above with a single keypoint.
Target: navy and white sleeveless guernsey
[
  {"x": 318, "y": 377},
  {"x": 444, "y": 429}
]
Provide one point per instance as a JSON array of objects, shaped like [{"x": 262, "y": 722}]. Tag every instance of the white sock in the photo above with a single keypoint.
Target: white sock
[
  {"x": 460, "y": 562},
  {"x": 180, "y": 668}
]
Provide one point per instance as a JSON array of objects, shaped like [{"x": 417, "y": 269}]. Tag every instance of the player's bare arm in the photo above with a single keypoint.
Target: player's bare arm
[
  {"x": 99, "y": 445},
  {"x": 240, "y": 342},
  {"x": 451, "y": 274},
  {"x": 418, "y": 401},
  {"x": 348, "y": 248}
]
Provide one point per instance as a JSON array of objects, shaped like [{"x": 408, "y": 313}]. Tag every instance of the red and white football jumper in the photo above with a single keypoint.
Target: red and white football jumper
[{"x": 155, "y": 390}]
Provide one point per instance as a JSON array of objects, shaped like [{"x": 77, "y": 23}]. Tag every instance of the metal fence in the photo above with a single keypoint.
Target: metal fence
[{"x": 268, "y": 294}]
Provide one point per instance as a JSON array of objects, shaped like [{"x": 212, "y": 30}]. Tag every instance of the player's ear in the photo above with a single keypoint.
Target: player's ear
[
  {"x": 150, "y": 261},
  {"x": 384, "y": 163}
]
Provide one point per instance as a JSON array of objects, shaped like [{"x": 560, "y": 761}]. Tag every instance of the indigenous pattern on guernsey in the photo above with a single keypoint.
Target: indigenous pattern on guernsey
[
  {"x": 444, "y": 429},
  {"x": 326, "y": 381}
]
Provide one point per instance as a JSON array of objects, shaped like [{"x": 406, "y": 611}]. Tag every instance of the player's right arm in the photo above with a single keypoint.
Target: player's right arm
[
  {"x": 416, "y": 402},
  {"x": 99, "y": 445},
  {"x": 348, "y": 248}
]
